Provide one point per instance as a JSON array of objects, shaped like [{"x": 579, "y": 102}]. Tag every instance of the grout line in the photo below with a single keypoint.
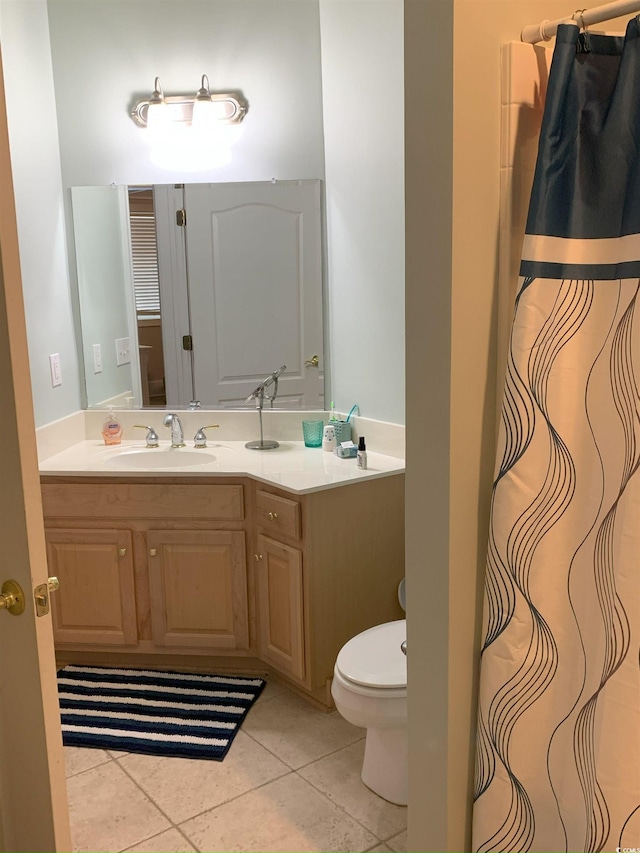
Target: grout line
[
  {"x": 155, "y": 835},
  {"x": 230, "y": 800},
  {"x": 205, "y": 811},
  {"x": 86, "y": 769},
  {"x": 313, "y": 760},
  {"x": 148, "y": 797},
  {"x": 344, "y": 811}
]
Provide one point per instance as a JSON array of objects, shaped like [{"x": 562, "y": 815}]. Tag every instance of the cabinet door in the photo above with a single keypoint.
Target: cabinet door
[
  {"x": 96, "y": 599},
  {"x": 280, "y": 606},
  {"x": 198, "y": 586}
]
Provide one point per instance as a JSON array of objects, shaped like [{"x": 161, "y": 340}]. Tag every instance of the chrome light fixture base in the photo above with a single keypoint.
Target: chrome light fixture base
[{"x": 230, "y": 106}]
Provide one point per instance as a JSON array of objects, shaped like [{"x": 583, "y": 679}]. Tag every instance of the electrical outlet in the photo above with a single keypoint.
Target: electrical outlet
[
  {"x": 123, "y": 354},
  {"x": 97, "y": 358},
  {"x": 56, "y": 371}
]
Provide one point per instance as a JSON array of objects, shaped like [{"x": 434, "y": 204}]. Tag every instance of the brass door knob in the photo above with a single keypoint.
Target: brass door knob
[
  {"x": 314, "y": 361},
  {"x": 257, "y": 557},
  {"x": 53, "y": 584},
  {"x": 12, "y": 598},
  {"x": 153, "y": 552},
  {"x": 272, "y": 516},
  {"x": 122, "y": 552}
]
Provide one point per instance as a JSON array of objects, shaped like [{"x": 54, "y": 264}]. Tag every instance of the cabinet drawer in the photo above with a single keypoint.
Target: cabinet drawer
[
  {"x": 278, "y": 515},
  {"x": 138, "y": 500}
]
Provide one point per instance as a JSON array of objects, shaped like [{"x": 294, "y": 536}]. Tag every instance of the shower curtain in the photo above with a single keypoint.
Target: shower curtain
[{"x": 558, "y": 742}]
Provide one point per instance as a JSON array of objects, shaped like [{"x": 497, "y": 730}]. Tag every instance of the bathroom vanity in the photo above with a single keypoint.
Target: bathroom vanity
[{"x": 220, "y": 572}]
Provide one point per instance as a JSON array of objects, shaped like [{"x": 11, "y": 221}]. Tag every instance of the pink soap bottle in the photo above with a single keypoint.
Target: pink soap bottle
[{"x": 112, "y": 430}]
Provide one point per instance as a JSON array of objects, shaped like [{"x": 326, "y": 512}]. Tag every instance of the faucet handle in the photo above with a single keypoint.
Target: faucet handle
[
  {"x": 152, "y": 435},
  {"x": 200, "y": 438}
]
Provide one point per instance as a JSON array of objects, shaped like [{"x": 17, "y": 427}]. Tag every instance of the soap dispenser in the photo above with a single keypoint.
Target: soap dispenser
[{"x": 111, "y": 429}]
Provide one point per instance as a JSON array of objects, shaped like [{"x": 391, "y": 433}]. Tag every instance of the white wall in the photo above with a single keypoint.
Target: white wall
[
  {"x": 33, "y": 137},
  {"x": 106, "y": 54},
  {"x": 363, "y": 92}
]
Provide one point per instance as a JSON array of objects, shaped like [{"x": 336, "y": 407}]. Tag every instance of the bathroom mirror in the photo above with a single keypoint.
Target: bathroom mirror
[{"x": 198, "y": 291}]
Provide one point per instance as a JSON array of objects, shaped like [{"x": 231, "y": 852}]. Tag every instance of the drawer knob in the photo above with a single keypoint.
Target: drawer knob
[
  {"x": 122, "y": 552},
  {"x": 272, "y": 516},
  {"x": 257, "y": 557},
  {"x": 153, "y": 552}
]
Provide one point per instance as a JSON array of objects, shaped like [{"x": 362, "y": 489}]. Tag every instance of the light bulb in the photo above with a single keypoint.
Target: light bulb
[
  {"x": 157, "y": 112},
  {"x": 204, "y": 110}
]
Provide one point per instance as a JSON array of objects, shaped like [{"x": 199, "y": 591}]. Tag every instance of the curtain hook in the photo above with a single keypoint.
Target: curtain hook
[
  {"x": 578, "y": 17},
  {"x": 582, "y": 45}
]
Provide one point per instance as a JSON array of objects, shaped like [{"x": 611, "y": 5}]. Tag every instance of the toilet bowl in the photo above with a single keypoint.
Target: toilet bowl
[{"x": 369, "y": 688}]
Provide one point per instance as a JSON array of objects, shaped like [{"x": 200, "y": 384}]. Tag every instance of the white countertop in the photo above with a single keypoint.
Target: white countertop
[{"x": 291, "y": 466}]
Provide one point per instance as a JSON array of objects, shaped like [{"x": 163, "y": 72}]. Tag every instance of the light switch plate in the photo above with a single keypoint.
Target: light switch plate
[
  {"x": 97, "y": 358},
  {"x": 123, "y": 353},
  {"x": 56, "y": 370}
]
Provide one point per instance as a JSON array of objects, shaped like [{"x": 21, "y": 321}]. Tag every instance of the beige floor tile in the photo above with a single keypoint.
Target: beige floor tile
[
  {"x": 271, "y": 690},
  {"x": 77, "y": 759},
  {"x": 108, "y": 812},
  {"x": 285, "y": 815},
  {"x": 171, "y": 841},
  {"x": 399, "y": 842},
  {"x": 297, "y": 732},
  {"x": 185, "y": 787},
  {"x": 338, "y": 776}
]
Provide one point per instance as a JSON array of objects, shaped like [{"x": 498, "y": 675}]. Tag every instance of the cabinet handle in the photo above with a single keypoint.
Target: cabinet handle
[
  {"x": 153, "y": 552},
  {"x": 257, "y": 557},
  {"x": 272, "y": 516},
  {"x": 122, "y": 552}
]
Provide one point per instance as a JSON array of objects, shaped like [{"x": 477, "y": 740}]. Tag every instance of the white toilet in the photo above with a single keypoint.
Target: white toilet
[{"x": 370, "y": 690}]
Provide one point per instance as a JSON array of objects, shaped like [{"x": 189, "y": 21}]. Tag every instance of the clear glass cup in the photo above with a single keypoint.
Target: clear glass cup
[{"x": 312, "y": 433}]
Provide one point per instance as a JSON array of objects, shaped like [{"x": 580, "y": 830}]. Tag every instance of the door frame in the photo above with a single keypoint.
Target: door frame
[{"x": 33, "y": 794}]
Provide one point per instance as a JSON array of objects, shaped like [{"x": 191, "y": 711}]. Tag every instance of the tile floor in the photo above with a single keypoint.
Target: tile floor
[{"x": 290, "y": 782}]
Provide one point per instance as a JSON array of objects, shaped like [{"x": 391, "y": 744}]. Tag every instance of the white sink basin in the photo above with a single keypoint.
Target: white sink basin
[{"x": 165, "y": 457}]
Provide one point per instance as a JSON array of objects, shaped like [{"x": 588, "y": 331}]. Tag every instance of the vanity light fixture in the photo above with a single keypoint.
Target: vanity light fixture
[{"x": 202, "y": 109}]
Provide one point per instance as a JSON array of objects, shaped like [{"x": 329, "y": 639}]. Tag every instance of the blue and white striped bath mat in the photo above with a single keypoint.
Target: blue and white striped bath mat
[{"x": 158, "y": 713}]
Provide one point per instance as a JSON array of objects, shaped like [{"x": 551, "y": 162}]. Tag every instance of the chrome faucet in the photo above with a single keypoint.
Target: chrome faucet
[{"x": 177, "y": 435}]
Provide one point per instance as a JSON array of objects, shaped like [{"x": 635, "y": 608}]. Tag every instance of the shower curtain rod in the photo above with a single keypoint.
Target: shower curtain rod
[{"x": 584, "y": 17}]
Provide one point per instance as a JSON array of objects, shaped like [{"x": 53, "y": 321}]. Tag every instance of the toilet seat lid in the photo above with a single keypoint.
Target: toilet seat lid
[{"x": 374, "y": 658}]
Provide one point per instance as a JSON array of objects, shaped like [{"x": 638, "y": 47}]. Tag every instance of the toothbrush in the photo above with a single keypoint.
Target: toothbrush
[
  {"x": 333, "y": 412},
  {"x": 355, "y": 406}
]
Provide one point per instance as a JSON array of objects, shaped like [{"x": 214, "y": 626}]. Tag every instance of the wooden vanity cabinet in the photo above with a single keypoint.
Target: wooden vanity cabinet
[
  {"x": 227, "y": 573},
  {"x": 156, "y": 567}
]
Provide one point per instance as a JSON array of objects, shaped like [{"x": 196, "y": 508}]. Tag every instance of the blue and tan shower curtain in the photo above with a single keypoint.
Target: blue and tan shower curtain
[{"x": 558, "y": 745}]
